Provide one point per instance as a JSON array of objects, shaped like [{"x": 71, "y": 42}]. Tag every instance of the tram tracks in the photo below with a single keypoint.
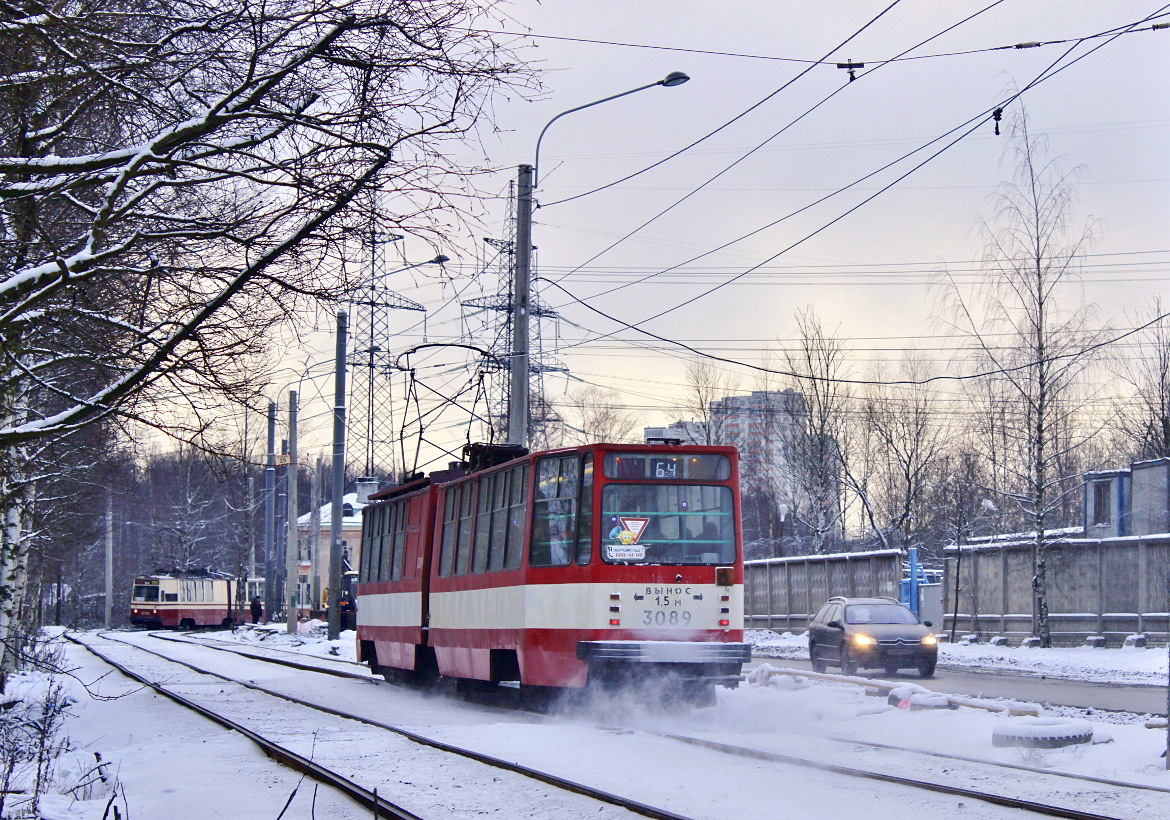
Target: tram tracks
[
  {"x": 942, "y": 779},
  {"x": 367, "y": 797}
]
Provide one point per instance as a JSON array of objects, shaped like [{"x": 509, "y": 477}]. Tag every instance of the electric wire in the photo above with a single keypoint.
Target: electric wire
[
  {"x": 755, "y": 106},
  {"x": 804, "y": 61},
  {"x": 1050, "y": 71},
  {"x": 743, "y": 157}
]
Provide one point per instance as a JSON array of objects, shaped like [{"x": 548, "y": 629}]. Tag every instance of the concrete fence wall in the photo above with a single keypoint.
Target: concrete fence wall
[
  {"x": 1112, "y": 587},
  {"x": 785, "y": 593}
]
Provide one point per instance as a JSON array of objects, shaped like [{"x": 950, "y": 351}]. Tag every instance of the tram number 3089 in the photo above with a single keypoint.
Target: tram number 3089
[{"x": 662, "y": 617}]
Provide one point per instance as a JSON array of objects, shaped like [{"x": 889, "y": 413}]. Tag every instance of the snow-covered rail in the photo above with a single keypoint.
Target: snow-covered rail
[{"x": 947, "y": 779}]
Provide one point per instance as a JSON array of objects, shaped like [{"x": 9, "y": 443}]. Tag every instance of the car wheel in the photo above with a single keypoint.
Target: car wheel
[
  {"x": 818, "y": 664},
  {"x": 926, "y": 668},
  {"x": 848, "y": 662}
]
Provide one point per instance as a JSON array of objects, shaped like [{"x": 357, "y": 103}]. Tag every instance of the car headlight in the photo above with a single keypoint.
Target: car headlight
[
  {"x": 863, "y": 640},
  {"x": 929, "y": 640}
]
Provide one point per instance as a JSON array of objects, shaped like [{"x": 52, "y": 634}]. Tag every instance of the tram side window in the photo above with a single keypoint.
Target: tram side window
[
  {"x": 391, "y": 556},
  {"x": 386, "y": 542},
  {"x": 585, "y": 521},
  {"x": 413, "y": 519},
  {"x": 483, "y": 521},
  {"x": 399, "y": 537},
  {"x": 379, "y": 545},
  {"x": 554, "y": 512},
  {"x": 499, "y": 521},
  {"x": 367, "y": 530},
  {"x": 378, "y": 542},
  {"x": 517, "y": 517},
  {"x": 450, "y": 531},
  {"x": 466, "y": 517}
]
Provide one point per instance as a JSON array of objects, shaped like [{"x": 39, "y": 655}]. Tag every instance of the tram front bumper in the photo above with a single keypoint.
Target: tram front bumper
[{"x": 711, "y": 662}]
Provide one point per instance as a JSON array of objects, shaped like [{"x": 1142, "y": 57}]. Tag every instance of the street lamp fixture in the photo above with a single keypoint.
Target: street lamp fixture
[
  {"x": 527, "y": 181},
  {"x": 671, "y": 80}
]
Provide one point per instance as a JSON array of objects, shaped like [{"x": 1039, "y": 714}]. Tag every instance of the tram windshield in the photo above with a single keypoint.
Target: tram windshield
[
  {"x": 145, "y": 594},
  {"x": 667, "y": 524}
]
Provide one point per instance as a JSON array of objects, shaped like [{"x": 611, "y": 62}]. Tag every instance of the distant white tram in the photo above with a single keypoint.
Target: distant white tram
[{"x": 190, "y": 600}]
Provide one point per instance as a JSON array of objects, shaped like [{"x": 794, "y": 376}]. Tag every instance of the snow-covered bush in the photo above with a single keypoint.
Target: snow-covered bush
[{"x": 40, "y": 769}]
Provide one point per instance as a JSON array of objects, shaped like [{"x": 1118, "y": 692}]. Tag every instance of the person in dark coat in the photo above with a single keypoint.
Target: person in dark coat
[
  {"x": 257, "y": 610},
  {"x": 347, "y": 606}
]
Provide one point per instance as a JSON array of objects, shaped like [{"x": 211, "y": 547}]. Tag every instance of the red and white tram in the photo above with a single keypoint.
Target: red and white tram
[
  {"x": 596, "y": 565},
  {"x": 189, "y": 600}
]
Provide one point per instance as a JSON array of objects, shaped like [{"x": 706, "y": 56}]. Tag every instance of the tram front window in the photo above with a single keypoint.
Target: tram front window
[
  {"x": 145, "y": 594},
  {"x": 667, "y": 524}
]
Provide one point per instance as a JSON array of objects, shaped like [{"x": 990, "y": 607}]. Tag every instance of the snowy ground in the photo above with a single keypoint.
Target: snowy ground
[{"x": 171, "y": 763}]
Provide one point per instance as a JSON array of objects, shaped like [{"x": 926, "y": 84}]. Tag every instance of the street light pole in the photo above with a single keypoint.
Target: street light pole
[
  {"x": 292, "y": 558},
  {"x": 518, "y": 392},
  {"x": 526, "y": 183}
]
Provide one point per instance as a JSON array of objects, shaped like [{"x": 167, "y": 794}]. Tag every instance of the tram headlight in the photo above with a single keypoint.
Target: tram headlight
[{"x": 863, "y": 641}]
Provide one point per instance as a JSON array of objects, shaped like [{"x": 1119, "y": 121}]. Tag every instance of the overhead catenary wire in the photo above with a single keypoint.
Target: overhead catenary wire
[
  {"x": 1028, "y": 44},
  {"x": 752, "y": 108},
  {"x": 758, "y": 147},
  {"x": 730, "y": 122},
  {"x": 1047, "y": 73}
]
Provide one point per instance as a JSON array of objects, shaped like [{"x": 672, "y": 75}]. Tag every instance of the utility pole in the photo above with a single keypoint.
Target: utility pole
[
  {"x": 518, "y": 396},
  {"x": 249, "y": 526},
  {"x": 270, "y": 598},
  {"x": 292, "y": 554},
  {"x": 280, "y": 558},
  {"x": 315, "y": 537},
  {"x": 335, "y": 521}
]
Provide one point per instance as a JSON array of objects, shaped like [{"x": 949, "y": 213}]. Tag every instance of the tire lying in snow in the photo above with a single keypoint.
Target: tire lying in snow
[{"x": 1042, "y": 733}]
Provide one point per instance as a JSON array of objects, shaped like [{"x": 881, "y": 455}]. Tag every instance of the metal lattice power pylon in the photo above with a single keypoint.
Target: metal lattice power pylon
[
  {"x": 543, "y": 418},
  {"x": 371, "y": 438}
]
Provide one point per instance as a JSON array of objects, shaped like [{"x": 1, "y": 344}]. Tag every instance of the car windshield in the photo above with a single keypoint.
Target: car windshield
[
  {"x": 879, "y": 614},
  {"x": 667, "y": 524},
  {"x": 145, "y": 594}
]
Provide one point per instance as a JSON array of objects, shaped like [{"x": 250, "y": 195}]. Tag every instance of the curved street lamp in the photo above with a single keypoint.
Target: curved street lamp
[{"x": 518, "y": 392}]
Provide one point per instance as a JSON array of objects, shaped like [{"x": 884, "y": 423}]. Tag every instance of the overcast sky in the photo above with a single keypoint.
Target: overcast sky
[{"x": 864, "y": 267}]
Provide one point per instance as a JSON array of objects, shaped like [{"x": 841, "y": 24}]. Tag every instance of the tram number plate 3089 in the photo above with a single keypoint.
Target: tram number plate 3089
[{"x": 666, "y": 617}]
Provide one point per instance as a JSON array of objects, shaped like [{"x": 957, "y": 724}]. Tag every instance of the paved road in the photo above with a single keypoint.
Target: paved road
[{"x": 1027, "y": 688}]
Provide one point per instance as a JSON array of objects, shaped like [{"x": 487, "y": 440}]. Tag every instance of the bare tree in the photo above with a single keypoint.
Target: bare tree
[
  {"x": 176, "y": 178},
  {"x": 908, "y": 439},
  {"x": 1034, "y": 350},
  {"x": 1144, "y": 416},
  {"x": 817, "y": 457},
  {"x": 706, "y": 385},
  {"x": 596, "y": 414}
]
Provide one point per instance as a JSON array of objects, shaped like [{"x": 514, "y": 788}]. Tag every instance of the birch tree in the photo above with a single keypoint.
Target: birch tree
[
  {"x": 176, "y": 178},
  {"x": 1035, "y": 349}
]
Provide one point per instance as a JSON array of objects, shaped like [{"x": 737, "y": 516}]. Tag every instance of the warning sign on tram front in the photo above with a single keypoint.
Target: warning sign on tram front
[{"x": 634, "y": 527}]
